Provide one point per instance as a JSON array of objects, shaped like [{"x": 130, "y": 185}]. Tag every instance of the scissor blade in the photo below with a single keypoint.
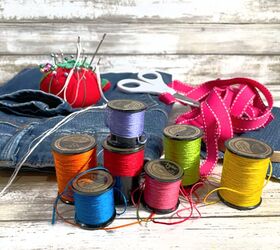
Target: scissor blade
[{"x": 187, "y": 100}]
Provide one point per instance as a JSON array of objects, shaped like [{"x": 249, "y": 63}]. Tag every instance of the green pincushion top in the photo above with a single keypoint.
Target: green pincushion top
[{"x": 69, "y": 64}]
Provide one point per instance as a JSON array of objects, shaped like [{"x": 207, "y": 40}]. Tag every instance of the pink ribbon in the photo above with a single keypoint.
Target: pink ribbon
[{"x": 227, "y": 107}]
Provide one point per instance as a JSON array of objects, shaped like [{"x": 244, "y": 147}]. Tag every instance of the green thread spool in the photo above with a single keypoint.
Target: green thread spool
[{"x": 182, "y": 145}]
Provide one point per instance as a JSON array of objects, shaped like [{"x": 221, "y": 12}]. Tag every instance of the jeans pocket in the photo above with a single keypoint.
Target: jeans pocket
[
  {"x": 9, "y": 142},
  {"x": 33, "y": 103}
]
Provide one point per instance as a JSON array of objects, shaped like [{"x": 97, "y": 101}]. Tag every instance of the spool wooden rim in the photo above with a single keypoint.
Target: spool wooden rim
[
  {"x": 238, "y": 207},
  {"x": 73, "y": 144},
  {"x": 101, "y": 225},
  {"x": 183, "y": 132},
  {"x": 164, "y": 170},
  {"x": 93, "y": 183},
  {"x": 119, "y": 150},
  {"x": 127, "y": 105},
  {"x": 159, "y": 211},
  {"x": 249, "y": 148}
]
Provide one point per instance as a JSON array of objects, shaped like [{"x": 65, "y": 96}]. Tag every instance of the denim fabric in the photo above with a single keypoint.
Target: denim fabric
[
  {"x": 271, "y": 136},
  {"x": 26, "y": 112}
]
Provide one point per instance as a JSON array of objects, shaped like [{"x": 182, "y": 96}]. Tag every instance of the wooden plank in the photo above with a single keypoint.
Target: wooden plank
[
  {"x": 42, "y": 38},
  {"x": 200, "y": 11},
  {"x": 40, "y": 208},
  {"x": 193, "y": 69},
  {"x": 31, "y": 197},
  {"x": 233, "y": 233}
]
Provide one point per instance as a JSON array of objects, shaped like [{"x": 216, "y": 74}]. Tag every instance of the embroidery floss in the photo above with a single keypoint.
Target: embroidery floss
[
  {"x": 94, "y": 199},
  {"x": 125, "y": 119},
  {"x": 245, "y": 166},
  {"x": 162, "y": 186},
  {"x": 182, "y": 145},
  {"x": 125, "y": 164},
  {"x": 72, "y": 154},
  {"x": 41, "y": 138}
]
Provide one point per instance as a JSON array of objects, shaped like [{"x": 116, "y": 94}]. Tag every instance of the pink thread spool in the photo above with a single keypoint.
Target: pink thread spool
[{"x": 162, "y": 186}]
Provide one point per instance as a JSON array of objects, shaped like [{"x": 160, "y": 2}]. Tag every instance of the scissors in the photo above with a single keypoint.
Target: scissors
[{"x": 153, "y": 85}]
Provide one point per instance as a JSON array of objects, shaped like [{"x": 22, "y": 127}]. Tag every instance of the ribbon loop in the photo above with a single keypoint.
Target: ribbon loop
[{"x": 227, "y": 106}]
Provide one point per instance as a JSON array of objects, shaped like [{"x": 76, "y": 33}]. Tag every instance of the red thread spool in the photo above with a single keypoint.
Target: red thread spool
[
  {"x": 162, "y": 186},
  {"x": 123, "y": 161},
  {"x": 125, "y": 164},
  {"x": 72, "y": 154}
]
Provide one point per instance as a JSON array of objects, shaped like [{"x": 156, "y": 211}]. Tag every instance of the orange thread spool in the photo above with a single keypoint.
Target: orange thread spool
[{"x": 72, "y": 154}]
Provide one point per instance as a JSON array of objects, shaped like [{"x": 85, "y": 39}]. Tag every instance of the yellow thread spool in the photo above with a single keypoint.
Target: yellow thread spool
[{"x": 245, "y": 166}]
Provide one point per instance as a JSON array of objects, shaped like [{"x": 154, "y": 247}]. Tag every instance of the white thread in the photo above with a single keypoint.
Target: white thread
[
  {"x": 70, "y": 73},
  {"x": 77, "y": 89},
  {"x": 45, "y": 134},
  {"x": 49, "y": 132},
  {"x": 99, "y": 82}
]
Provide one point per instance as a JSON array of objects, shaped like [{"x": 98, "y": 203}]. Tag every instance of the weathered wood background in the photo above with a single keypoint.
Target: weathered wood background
[{"x": 195, "y": 40}]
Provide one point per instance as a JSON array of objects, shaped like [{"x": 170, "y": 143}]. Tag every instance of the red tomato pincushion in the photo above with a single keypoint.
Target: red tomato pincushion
[{"x": 74, "y": 80}]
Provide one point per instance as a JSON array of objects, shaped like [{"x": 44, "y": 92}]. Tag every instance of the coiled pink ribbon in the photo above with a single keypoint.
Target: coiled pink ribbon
[{"x": 227, "y": 107}]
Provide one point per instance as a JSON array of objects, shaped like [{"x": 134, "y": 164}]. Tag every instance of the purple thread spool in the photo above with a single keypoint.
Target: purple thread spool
[{"x": 125, "y": 119}]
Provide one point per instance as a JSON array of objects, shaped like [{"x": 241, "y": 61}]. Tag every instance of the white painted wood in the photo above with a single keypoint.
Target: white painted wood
[
  {"x": 25, "y": 214},
  {"x": 193, "y": 69},
  {"x": 199, "y": 11},
  {"x": 31, "y": 198},
  {"x": 218, "y": 233},
  {"x": 135, "y": 38},
  {"x": 195, "y": 41}
]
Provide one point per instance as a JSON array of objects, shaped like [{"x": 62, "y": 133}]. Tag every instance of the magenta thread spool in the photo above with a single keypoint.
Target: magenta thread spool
[{"x": 162, "y": 186}]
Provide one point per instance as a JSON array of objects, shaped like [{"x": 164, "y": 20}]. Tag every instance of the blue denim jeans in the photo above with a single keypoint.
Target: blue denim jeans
[
  {"x": 26, "y": 112},
  {"x": 270, "y": 135}
]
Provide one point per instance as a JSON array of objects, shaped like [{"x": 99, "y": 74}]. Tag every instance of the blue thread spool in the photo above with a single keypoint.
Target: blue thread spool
[
  {"x": 125, "y": 119},
  {"x": 94, "y": 199}
]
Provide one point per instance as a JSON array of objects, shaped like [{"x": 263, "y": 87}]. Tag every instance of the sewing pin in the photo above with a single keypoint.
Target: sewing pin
[
  {"x": 97, "y": 64},
  {"x": 53, "y": 57},
  {"x": 61, "y": 55},
  {"x": 78, "y": 46},
  {"x": 83, "y": 63},
  {"x": 101, "y": 41},
  {"x": 82, "y": 54}
]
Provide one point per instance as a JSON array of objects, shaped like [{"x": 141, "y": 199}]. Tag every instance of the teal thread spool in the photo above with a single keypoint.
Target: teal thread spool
[{"x": 182, "y": 145}]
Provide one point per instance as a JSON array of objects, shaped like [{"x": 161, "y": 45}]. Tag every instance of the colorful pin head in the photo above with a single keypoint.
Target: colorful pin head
[{"x": 73, "y": 79}]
